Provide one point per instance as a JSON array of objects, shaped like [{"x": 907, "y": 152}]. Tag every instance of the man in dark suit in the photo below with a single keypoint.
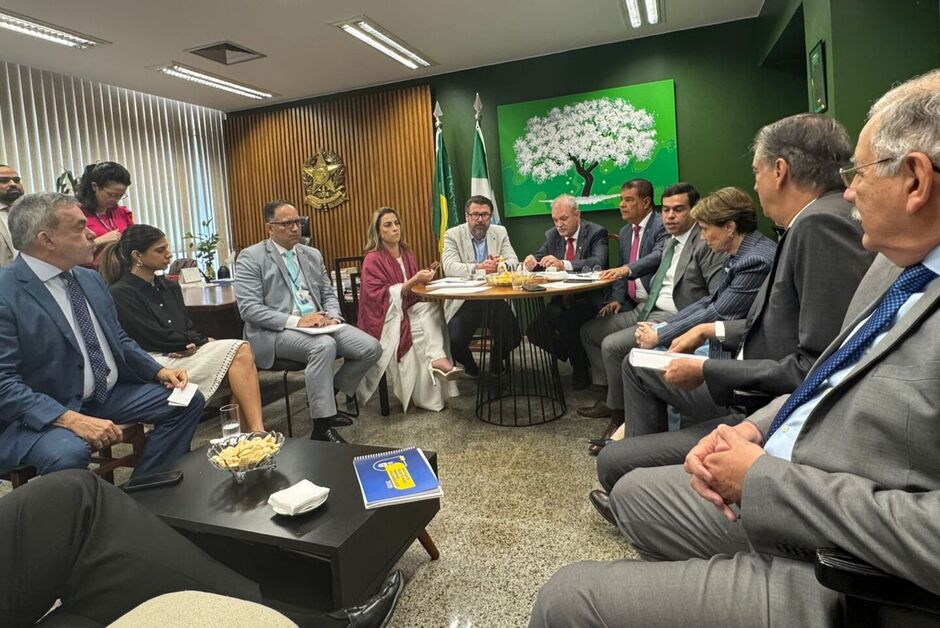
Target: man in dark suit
[
  {"x": 688, "y": 271},
  {"x": 641, "y": 248},
  {"x": 573, "y": 245},
  {"x": 819, "y": 263},
  {"x": 849, "y": 460},
  {"x": 68, "y": 372}
]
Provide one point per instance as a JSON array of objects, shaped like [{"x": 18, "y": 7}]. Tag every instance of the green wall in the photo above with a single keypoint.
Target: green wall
[{"x": 722, "y": 98}]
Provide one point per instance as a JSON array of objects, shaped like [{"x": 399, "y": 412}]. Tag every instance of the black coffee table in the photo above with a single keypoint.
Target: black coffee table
[{"x": 332, "y": 557}]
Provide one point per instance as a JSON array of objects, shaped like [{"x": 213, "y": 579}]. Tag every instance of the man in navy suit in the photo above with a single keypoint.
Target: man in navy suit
[
  {"x": 68, "y": 372},
  {"x": 573, "y": 245},
  {"x": 641, "y": 249}
]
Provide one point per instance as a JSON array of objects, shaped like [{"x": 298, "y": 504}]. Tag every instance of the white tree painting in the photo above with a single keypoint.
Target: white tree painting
[{"x": 582, "y": 136}]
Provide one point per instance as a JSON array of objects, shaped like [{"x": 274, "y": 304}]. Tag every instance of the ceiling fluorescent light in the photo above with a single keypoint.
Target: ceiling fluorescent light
[
  {"x": 47, "y": 32},
  {"x": 209, "y": 80},
  {"x": 652, "y": 11},
  {"x": 633, "y": 9},
  {"x": 368, "y": 32}
]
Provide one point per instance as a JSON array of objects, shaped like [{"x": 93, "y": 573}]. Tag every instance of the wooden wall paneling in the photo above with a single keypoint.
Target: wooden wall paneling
[{"x": 386, "y": 141}]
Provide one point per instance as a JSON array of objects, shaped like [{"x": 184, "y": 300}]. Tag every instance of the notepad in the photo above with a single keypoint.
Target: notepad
[
  {"x": 182, "y": 396},
  {"x": 395, "y": 477},
  {"x": 658, "y": 360}
]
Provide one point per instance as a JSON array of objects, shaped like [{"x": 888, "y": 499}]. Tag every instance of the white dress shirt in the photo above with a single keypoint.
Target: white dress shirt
[
  {"x": 665, "y": 301},
  {"x": 49, "y": 276}
]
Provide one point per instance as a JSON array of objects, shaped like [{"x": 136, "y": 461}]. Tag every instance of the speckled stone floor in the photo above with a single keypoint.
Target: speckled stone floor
[{"x": 514, "y": 510}]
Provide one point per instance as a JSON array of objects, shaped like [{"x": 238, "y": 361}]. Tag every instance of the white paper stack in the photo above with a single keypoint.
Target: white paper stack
[
  {"x": 658, "y": 360},
  {"x": 299, "y": 498}
]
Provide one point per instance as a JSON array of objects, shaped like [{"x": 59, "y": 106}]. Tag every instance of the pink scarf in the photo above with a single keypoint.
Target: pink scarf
[{"x": 381, "y": 271}]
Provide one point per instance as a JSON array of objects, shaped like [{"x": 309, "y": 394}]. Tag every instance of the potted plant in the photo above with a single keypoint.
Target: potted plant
[{"x": 203, "y": 248}]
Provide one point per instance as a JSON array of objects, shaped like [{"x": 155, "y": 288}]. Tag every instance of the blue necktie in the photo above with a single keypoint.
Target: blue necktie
[
  {"x": 293, "y": 270},
  {"x": 911, "y": 281},
  {"x": 99, "y": 366}
]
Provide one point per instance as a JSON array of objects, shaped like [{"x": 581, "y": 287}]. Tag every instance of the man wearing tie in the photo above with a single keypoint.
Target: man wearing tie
[
  {"x": 641, "y": 248},
  {"x": 282, "y": 287},
  {"x": 849, "y": 460},
  {"x": 10, "y": 189},
  {"x": 573, "y": 245},
  {"x": 68, "y": 372}
]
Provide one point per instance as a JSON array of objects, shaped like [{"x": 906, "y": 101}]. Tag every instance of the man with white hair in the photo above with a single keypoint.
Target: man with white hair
[{"x": 839, "y": 463}]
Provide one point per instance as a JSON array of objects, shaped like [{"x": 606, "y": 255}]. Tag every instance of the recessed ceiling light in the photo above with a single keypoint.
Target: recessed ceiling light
[
  {"x": 179, "y": 70},
  {"x": 633, "y": 10},
  {"x": 367, "y": 31},
  {"x": 48, "y": 32},
  {"x": 652, "y": 11}
]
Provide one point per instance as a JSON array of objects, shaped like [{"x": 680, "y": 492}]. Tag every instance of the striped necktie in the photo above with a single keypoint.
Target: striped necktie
[{"x": 99, "y": 366}]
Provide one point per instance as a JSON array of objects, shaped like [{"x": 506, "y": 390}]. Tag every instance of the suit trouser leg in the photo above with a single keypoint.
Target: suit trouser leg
[
  {"x": 70, "y": 535},
  {"x": 746, "y": 590},
  {"x": 174, "y": 426},
  {"x": 593, "y": 334},
  {"x": 319, "y": 353},
  {"x": 569, "y": 322},
  {"x": 466, "y": 320},
  {"x": 615, "y": 348}
]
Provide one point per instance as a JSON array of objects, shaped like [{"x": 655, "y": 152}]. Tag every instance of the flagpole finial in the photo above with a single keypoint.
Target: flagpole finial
[
  {"x": 478, "y": 107},
  {"x": 438, "y": 114}
]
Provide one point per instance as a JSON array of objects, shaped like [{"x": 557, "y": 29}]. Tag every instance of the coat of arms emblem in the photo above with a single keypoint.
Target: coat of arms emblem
[{"x": 324, "y": 177}]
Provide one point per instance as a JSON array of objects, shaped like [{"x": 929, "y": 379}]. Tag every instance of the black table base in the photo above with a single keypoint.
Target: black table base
[{"x": 526, "y": 389}]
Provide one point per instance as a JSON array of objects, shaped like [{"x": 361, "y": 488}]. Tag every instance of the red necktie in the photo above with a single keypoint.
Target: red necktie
[
  {"x": 634, "y": 253},
  {"x": 569, "y": 250}
]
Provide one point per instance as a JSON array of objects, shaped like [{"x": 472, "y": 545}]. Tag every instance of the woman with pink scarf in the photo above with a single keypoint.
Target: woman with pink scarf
[{"x": 412, "y": 332}]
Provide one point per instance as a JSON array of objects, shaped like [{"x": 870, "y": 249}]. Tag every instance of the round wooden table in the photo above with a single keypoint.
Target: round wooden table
[{"x": 526, "y": 390}]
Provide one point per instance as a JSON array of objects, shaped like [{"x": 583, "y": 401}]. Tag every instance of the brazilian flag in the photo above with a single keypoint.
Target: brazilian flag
[{"x": 444, "y": 204}]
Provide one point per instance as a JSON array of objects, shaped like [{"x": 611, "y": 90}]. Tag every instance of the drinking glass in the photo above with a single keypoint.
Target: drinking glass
[
  {"x": 231, "y": 423},
  {"x": 518, "y": 277}
]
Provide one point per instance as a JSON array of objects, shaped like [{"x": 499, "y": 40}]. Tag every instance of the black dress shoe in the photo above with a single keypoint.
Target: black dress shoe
[
  {"x": 378, "y": 609},
  {"x": 601, "y": 502},
  {"x": 329, "y": 435},
  {"x": 340, "y": 420},
  {"x": 598, "y": 411}
]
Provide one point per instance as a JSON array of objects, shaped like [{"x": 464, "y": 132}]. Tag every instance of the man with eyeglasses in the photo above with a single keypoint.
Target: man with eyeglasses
[
  {"x": 282, "y": 289},
  {"x": 469, "y": 248},
  {"x": 11, "y": 188},
  {"x": 848, "y": 461},
  {"x": 799, "y": 309}
]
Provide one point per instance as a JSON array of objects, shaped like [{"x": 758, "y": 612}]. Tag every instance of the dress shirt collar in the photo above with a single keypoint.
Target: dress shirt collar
[
  {"x": 44, "y": 270},
  {"x": 799, "y": 213},
  {"x": 140, "y": 283},
  {"x": 684, "y": 237},
  {"x": 645, "y": 221},
  {"x": 573, "y": 236},
  {"x": 932, "y": 261},
  {"x": 280, "y": 249},
  {"x": 4, "y": 207}
]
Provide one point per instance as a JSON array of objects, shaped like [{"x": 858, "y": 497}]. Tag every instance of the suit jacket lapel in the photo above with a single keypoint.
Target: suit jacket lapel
[
  {"x": 278, "y": 261},
  {"x": 38, "y": 291},
  {"x": 492, "y": 247},
  {"x": 579, "y": 245},
  {"x": 686, "y": 254},
  {"x": 5, "y": 235}
]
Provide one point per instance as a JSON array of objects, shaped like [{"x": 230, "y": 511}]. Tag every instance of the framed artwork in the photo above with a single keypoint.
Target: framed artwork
[
  {"x": 817, "y": 77},
  {"x": 587, "y": 145}
]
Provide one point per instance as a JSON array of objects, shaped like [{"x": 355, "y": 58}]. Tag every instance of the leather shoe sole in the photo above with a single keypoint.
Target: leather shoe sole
[
  {"x": 601, "y": 502},
  {"x": 598, "y": 411},
  {"x": 329, "y": 436}
]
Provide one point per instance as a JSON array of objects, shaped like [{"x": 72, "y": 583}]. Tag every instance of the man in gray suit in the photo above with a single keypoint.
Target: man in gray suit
[
  {"x": 797, "y": 313},
  {"x": 573, "y": 245},
  {"x": 688, "y": 271},
  {"x": 641, "y": 248},
  {"x": 282, "y": 288},
  {"x": 849, "y": 460},
  {"x": 11, "y": 189},
  {"x": 470, "y": 247}
]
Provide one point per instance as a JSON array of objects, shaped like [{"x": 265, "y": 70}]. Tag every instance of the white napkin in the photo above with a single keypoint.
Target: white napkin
[
  {"x": 299, "y": 498},
  {"x": 182, "y": 396}
]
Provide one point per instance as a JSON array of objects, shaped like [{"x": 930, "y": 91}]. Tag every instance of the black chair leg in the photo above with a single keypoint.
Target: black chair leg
[
  {"x": 290, "y": 426},
  {"x": 383, "y": 397}
]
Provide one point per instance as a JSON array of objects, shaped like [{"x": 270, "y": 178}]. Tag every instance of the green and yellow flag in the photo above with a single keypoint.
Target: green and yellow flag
[{"x": 444, "y": 204}]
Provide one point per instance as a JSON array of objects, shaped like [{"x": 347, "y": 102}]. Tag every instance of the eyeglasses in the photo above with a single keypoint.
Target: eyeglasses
[
  {"x": 479, "y": 216},
  {"x": 6, "y": 180},
  {"x": 848, "y": 174},
  {"x": 287, "y": 224}
]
